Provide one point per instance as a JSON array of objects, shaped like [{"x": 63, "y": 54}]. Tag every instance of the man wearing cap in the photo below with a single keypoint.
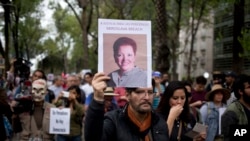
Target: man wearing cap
[
  {"x": 229, "y": 83},
  {"x": 216, "y": 98},
  {"x": 238, "y": 113},
  {"x": 135, "y": 121}
]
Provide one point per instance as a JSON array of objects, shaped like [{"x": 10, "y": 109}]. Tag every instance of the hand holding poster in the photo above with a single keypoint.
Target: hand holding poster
[
  {"x": 124, "y": 52},
  {"x": 59, "y": 121}
]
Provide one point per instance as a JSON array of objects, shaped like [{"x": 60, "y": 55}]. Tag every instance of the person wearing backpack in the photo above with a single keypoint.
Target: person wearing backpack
[{"x": 216, "y": 98}]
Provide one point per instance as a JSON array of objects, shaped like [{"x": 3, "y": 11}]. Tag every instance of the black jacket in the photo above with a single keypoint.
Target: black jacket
[{"x": 116, "y": 126}]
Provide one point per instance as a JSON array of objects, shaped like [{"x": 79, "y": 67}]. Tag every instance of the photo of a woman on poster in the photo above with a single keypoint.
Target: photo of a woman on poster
[{"x": 128, "y": 74}]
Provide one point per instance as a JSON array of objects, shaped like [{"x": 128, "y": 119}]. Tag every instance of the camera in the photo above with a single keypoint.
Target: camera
[{"x": 22, "y": 69}]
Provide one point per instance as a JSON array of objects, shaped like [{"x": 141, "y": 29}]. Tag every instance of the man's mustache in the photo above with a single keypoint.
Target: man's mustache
[{"x": 146, "y": 102}]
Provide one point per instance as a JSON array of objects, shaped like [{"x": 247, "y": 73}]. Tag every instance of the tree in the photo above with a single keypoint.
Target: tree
[{"x": 237, "y": 30}]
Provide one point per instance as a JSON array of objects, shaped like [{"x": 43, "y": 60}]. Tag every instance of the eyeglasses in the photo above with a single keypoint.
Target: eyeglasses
[{"x": 144, "y": 92}]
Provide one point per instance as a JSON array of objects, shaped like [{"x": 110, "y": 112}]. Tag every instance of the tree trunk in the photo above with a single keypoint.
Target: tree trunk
[
  {"x": 238, "y": 25},
  {"x": 6, "y": 7},
  {"x": 162, "y": 49}
]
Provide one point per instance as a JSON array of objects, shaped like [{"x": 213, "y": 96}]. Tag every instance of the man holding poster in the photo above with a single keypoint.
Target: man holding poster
[{"x": 124, "y": 52}]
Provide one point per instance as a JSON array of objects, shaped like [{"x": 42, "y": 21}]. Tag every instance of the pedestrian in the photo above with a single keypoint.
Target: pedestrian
[{"x": 237, "y": 113}]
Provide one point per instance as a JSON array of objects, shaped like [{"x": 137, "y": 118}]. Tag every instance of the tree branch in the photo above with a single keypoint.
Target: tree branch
[{"x": 74, "y": 11}]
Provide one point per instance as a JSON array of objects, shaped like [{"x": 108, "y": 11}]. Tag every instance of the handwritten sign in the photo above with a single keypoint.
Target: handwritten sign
[{"x": 59, "y": 121}]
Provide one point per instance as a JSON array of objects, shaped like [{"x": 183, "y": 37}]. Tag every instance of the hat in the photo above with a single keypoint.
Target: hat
[
  {"x": 230, "y": 73},
  {"x": 109, "y": 91},
  {"x": 156, "y": 74},
  {"x": 218, "y": 88}
]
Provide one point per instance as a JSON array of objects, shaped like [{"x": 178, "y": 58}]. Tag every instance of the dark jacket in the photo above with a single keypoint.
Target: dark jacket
[
  {"x": 4, "y": 110},
  {"x": 234, "y": 115},
  {"x": 116, "y": 126}
]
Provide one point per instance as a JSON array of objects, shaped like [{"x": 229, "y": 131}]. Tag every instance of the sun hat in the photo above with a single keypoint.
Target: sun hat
[
  {"x": 217, "y": 88},
  {"x": 109, "y": 91}
]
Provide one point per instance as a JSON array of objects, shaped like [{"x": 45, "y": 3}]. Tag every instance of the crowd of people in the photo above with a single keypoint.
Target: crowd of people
[{"x": 167, "y": 111}]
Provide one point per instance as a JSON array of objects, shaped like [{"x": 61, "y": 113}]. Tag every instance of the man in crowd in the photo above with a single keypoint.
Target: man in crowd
[
  {"x": 230, "y": 77},
  {"x": 199, "y": 92},
  {"x": 57, "y": 86},
  {"x": 87, "y": 86},
  {"x": 135, "y": 121},
  {"x": 35, "y": 120},
  {"x": 237, "y": 115}
]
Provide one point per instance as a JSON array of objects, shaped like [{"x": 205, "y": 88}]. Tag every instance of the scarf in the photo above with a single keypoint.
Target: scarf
[{"x": 144, "y": 125}]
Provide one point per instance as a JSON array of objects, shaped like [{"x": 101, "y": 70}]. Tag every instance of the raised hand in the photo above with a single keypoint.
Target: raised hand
[{"x": 99, "y": 85}]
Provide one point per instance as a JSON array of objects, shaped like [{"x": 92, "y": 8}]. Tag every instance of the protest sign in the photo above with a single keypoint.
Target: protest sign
[{"x": 59, "y": 121}]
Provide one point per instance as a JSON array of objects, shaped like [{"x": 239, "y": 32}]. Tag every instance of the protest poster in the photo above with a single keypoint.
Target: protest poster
[
  {"x": 125, "y": 52},
  {"x": 59, "y": 121}
]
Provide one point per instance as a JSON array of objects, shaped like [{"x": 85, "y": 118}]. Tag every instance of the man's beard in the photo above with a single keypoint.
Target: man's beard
[{"x": 246, "y": 98}]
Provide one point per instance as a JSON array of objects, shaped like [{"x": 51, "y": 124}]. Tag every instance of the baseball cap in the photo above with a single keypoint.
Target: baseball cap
[{"x": 156, "y": 74}]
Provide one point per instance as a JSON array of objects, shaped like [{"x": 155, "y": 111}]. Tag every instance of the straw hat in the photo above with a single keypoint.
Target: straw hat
[
  {"x": 218, "y": 88},
  {"x": 109, "y": 91}
]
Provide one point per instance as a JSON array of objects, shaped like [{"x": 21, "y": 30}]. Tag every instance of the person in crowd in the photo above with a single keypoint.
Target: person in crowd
[
  {"x": 124, "y": 50},
  {"x": 199, "y": 92},
  {"x": 165, "y": 79},
  {"x": 218, "y": 78},
  {"x": 75, "y": 80},
  {"x": 56, "y": 87},
  {"x": 193, "y": 110},
  {"x": 237, "y": 113},
  {"x": 174, "y": 109},
  {"x": 230, "y": 77},
  {"x": 35, "y": 120},
  {"x": 135, "y": 121},
  {"x": 109, "y": 95},
  {"x": 5, "y": 110},
  {"x": 158, "y": 88},
  {"x": 77, "y": 113},
  {"x": 110, "y": 100},
  {"x": 121, "y": 98},
  {"x": 87, "y": 86},
  {"x": 216, "y": 98}
]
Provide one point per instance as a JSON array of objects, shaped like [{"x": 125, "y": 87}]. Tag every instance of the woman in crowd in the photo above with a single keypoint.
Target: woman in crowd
[
  {"x": 76, "y": 111},
  {"x": 174, "y": 109},
  {"x": 216, "y": 98}
]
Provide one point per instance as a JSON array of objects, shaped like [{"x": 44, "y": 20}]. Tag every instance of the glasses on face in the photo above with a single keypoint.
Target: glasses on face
[{"x": 144, "y": 92}]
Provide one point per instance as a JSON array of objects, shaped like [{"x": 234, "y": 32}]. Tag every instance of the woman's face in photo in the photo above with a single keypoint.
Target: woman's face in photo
[{"x": 125, "y": 57}]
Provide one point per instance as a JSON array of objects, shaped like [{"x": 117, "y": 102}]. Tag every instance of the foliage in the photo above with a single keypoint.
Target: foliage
[{"x": 245, "y": 42}]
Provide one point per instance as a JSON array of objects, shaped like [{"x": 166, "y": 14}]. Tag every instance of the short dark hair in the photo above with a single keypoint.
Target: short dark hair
[
  {"x": 42, "y": 72},
  {"x": 239, "y": 84},
  {"x": 124, "y": 41},
  {"x": 89, "y": 74},
  {"x": 201, "y": 80},
  {"x": 78, "y": 91}
]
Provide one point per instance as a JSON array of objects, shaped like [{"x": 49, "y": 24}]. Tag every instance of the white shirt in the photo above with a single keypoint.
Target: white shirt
[{"x": 88, "y": 89}]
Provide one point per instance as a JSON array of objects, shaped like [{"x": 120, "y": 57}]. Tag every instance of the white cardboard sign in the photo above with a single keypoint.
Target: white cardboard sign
[{"x": 59, "y": 121}]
